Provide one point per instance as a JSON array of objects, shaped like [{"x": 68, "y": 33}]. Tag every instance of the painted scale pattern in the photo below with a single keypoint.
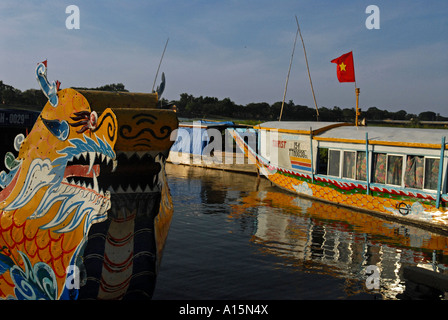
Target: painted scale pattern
[{"x": 18, "y": 234}]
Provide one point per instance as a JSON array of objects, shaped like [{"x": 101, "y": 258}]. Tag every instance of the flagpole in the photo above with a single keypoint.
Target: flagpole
[
  {"x": 357, "y": 91},
  {"x": 357, "y": 103}
]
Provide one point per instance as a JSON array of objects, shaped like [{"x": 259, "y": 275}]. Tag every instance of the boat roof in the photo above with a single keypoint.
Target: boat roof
[
  {"x": 349, "y": 133},
  {"x": 303, "y": 127},
  {"x": 204, "y": 124}
]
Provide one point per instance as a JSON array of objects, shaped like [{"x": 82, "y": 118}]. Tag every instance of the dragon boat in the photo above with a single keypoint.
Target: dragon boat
[
  {"x": 85, "y": 207},
  {"x": 398, "y": 173}
]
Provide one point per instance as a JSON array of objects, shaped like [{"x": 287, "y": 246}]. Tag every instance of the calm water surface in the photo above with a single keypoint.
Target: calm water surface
[{"x": 236, "y": 237}]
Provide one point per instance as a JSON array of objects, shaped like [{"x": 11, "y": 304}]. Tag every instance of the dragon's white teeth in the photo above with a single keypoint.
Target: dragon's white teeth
[
  {"x": 103, "y": 156},
  {"x": 91, "y": 160},
  {"x": 95, "y": 182},
  {"x": 114, "y": 165}
]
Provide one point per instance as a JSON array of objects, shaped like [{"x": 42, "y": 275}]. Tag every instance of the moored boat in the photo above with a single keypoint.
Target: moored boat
[
  {"x": 208, "y": 144},
  {"x": 399, "y": 173}
]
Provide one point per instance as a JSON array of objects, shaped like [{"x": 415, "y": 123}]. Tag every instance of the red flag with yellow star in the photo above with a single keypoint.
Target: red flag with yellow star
[{"x": 345, "y": 67}]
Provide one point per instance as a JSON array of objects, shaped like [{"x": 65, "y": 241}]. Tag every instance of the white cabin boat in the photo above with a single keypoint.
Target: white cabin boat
[{"x": 396, "y": 172}]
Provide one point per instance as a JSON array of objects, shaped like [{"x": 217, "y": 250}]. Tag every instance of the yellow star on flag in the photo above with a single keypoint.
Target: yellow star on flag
[{"x": 345, "y": 69}]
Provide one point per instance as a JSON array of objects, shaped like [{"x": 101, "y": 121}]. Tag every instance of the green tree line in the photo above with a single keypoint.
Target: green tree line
[
  {"x": 210, "y": 107},
  {"x": 36, "y": 99}
]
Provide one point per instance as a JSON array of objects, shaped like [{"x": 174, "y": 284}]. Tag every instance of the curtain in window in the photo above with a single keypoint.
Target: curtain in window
[
  {"x": 414, "y": 172},
  {"x": 361, "y": 165},
  {"x": 431, "y": 173},
  {"x": 348, "y": 170},
  {"x": 379, "y": 168},
  {"x": 394, "y": 169}
]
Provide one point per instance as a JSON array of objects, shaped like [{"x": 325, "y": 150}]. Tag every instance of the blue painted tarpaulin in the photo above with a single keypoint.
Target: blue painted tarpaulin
[{"x": 194, "y": 139}]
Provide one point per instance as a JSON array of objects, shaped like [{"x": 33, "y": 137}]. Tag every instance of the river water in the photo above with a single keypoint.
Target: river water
[{"x": 237, "y": 237}]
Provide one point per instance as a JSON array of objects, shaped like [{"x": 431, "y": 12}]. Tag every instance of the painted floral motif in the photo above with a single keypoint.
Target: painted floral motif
[
  {"x": 36, "y": 282},
  {"x": 303, "y": 188}
]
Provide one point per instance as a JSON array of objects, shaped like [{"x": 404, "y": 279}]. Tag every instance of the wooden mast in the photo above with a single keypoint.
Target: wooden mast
[
  {"x": 158, "y": 68},
  {"x": 308, "y": 68},
  {"x": 287, "y": 77}
]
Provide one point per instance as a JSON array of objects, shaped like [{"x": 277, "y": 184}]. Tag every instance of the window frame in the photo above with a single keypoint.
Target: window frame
[
  {"x": 424, "y": 172},
  {"x": 328, "y": 164},
  {"x": 343, "y": 164},
  {"x": 403, "y": 165}
]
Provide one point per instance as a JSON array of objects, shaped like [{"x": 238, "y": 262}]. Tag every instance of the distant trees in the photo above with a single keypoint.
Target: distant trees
[
  {"x": 35, "y": 98},
  {"x": 107, "y": 87},
  {"x": 12, "y": 96},
  {"x": 211, "y": 107}
]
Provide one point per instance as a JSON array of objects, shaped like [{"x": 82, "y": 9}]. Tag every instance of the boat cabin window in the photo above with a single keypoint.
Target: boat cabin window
[
  {"x": 348, "y": 168},
  {"x": 419, "y": 173},
  {"x": 413, "y": 176},
  {"x": 410, "y": 171},
  {"x": 361, "y": 165},
  {"x": 354, "y": 165},
  {"x": 334, "y": 158},
  {"x": 431, "y": 173},
  {"x": 379, "y": 168},
  {"x": 387, "y": 168},
  {"x": 322, "y": 161},
  {"x": 394, "y": 169}
]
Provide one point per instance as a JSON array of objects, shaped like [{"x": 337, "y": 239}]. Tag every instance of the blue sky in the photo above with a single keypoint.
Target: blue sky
[{"x": 237, "y": 49}]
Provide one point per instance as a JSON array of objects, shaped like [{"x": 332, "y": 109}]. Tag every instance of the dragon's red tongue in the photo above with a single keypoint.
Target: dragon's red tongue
[{"x": 78, "y": 170}]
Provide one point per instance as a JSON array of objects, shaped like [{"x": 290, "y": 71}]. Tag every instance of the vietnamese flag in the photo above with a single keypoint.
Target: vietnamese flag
[{"x": 345, "y": 67}]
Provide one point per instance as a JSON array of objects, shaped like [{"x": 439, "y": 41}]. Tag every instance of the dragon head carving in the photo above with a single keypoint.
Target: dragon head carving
[
  {"x": 65, "y": 203},
  {"x": 52, "y": 193}
]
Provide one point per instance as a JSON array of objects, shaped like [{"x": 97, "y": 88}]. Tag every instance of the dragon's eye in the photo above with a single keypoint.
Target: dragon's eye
[{"x": 60, "y": 129}]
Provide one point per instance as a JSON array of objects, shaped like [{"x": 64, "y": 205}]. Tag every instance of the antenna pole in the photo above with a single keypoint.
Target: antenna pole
[{"x": 155, "y": 79}]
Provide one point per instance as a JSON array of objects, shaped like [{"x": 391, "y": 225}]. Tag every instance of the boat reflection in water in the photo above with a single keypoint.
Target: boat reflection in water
[
  {"x": 337, "y": 241},
  {"x": 123, "y": 253}
]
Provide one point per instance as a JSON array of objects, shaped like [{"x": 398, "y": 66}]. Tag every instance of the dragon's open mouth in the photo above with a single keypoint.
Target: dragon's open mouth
[
  {"x": 136, "y": 172},
  {"x": 129, "y": 172},
  {"x": 85, "y": 170}
]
